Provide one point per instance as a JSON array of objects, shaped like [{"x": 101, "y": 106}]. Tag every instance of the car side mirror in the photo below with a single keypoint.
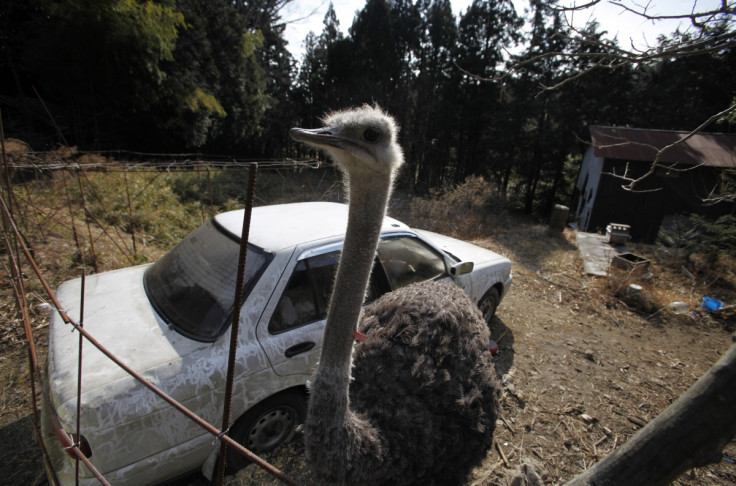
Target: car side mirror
[{"x": 461, "y": 268}]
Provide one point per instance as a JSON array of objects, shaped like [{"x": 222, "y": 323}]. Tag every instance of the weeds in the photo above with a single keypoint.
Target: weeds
[
  {"x": 226, "y": 189},
  {"x": 695, "y": 234},
  {"x": 470, "y": 210},
  {"x": 106, "y": 220}
]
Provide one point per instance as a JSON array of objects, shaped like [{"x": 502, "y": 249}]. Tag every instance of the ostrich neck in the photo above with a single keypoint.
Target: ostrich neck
[{"x": 367, "y": 207}]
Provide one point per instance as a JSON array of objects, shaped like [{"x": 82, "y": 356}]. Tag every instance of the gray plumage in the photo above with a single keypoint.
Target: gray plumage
[{"x": 417, "y": 401}]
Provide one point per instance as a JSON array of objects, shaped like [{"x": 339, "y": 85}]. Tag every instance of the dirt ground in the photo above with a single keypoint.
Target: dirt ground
[{"x": 582, "y": 369}]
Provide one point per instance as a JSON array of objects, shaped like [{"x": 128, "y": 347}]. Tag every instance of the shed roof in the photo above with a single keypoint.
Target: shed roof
[{"x": 638, "y": 144}]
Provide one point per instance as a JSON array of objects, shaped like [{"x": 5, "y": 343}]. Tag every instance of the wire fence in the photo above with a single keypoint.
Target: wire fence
[
  {"x": 102, "y": 199},
  {"x": 104, "y": 231}
]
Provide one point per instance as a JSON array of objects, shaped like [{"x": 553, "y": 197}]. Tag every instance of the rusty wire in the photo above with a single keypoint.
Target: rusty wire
[
  {"x": 79, "y": 372},
  {"x": 242, "y": 257},
  {"x": 70, "y": 445},
  {"x": 51, "y": 161}
]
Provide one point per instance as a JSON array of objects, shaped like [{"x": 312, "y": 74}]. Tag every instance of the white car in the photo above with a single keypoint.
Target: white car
[{"x": 170, "y": 321}]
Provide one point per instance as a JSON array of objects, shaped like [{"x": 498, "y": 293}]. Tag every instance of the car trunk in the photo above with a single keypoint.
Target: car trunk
[{"x": 116, "y": 308}]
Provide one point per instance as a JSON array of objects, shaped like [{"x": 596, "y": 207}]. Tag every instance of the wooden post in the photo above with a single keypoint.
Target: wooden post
[{"x": 691, "y": 432}]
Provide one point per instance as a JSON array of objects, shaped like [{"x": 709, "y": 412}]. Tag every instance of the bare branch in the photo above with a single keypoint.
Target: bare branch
[
  {"x": 716, "y": 34},
  {"x": 724, "y": 191},
  {"x": 585, "y": 6},
  {"x": 632, "y": 55},
  {"x": 657, "y": 163},
  {"x": 597, "y": 65},
  {"x": 712, "y": 44},
  {"x": 724, "y": 9},
  {"x": 626, "y": 177}
]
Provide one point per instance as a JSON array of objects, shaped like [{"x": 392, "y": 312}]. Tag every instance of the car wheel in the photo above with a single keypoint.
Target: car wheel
[
  {"x": 267, "y": 426},
  {"x": 488, "y": 304}
]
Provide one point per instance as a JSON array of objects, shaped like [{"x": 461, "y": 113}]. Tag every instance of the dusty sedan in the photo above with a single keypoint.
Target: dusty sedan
[{"x": 170, "y": 321}]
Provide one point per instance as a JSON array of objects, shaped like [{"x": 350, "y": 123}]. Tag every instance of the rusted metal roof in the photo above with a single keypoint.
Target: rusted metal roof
[{"x": 638, "y": 144}]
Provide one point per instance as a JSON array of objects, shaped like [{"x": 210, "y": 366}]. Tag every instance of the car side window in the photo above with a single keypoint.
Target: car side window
[
  {"x": 407, "y": 260},
  {"x": 298, "y": 303},
  {"x": 307, "y": 295},
  {"x": 322, "y": 270}
]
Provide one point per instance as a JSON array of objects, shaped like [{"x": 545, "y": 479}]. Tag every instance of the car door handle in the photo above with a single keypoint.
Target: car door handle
[{"x": 299, "y": 349}]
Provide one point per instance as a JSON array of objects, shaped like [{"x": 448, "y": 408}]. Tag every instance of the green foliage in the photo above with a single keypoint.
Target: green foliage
[
  {"x": 157, "y": 24},
  {"x": 251, "y": 42},
  {"x": 216, "y": 77},
  {"x": 731, "y": 117},
  {"x": 715, "y": 236},
  {"x": 320, "y": 69},
  {"x": 204, "y": 101},
  {"x": 157, "y": 211},
  {"x": 154, "y": 75},
  {"x": 681, "y": 93},
  {"x": 83, "y": 48},
  {"x": 676, "y": 236},
  {"x": 215, "y": 87},
  {"x": 697, "y": 234},
  {"x": 226, "y": 189}
]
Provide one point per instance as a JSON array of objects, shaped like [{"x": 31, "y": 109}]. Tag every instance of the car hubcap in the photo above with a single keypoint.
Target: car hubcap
[
  {"x": 271, "y": 429},
  {"x": 488, "y": 309}
]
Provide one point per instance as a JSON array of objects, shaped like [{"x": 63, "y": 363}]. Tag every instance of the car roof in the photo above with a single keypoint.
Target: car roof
[{"x": 280, "y": 226}]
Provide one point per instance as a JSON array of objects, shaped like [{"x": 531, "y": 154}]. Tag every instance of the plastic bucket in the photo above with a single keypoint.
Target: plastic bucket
[{"x": 711, "y": 304}]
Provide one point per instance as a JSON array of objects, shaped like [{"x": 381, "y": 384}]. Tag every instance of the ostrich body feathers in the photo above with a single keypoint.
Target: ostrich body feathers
[{"x": 424, "y": 395}]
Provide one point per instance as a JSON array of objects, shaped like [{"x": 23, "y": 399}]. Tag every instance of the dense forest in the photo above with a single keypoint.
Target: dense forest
[{"x": 216, "y": 77}]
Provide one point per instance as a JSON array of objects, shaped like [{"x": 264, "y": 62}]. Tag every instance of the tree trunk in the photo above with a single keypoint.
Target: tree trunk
[{"x": 689, "y": 433}]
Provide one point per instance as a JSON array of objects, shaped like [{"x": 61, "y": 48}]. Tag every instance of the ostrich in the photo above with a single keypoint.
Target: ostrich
[{"x": 421, "y": 402}]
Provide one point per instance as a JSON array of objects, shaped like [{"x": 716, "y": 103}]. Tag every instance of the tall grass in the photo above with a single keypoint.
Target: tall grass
[
  {"x": 470, "y": 210},
  {"x": 101, "y": 220}
]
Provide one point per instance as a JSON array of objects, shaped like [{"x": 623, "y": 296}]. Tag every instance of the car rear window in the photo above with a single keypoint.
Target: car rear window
[{"x": 193, "y": 286}]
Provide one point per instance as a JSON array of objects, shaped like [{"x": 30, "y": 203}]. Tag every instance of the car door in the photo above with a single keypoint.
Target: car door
[{"x": 291, "y": 329}]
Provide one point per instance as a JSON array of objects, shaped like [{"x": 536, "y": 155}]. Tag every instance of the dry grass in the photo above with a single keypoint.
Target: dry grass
[
  {"x": 471, "y": 210},
  {"x": 561, "y": 332},
  {"x": 475, "y": 212}
]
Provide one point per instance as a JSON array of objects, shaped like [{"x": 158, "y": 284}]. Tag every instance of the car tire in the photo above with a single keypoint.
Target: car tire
[
  {"x": 488, "y": 304},
  {"x": 266, "y": 426}
]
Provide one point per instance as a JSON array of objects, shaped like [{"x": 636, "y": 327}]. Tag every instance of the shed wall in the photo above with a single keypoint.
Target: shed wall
[
  {"x": 664, "y": 193},
  {"x": 587, "y": 187}
]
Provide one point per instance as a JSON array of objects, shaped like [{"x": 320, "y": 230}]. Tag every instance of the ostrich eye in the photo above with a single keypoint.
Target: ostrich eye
[{"x": 371, "y": 135}]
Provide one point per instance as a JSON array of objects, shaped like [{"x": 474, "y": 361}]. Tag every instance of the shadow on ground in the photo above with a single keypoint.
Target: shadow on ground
[
  {"x": 24, "y": 465},
  {"x": 504, "y": 336}
]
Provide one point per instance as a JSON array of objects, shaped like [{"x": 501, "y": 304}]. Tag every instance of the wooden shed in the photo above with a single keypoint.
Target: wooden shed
[{"x": 686, "y": 175}]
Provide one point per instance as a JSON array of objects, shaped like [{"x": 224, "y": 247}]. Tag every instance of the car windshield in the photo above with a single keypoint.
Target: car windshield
[
  {"x": 407, "y": 260},
  {"x": 193, "y": 286}
]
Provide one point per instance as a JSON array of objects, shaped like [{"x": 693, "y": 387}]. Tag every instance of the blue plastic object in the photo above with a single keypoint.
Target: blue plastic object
[{"x": 710, "y": 304}]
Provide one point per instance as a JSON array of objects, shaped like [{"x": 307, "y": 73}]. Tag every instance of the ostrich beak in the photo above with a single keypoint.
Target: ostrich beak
[{"x": 320, "y": 137}]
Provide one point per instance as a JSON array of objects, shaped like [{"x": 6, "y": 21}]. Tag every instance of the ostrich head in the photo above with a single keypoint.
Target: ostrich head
[{"x": 361, "y": 141}]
